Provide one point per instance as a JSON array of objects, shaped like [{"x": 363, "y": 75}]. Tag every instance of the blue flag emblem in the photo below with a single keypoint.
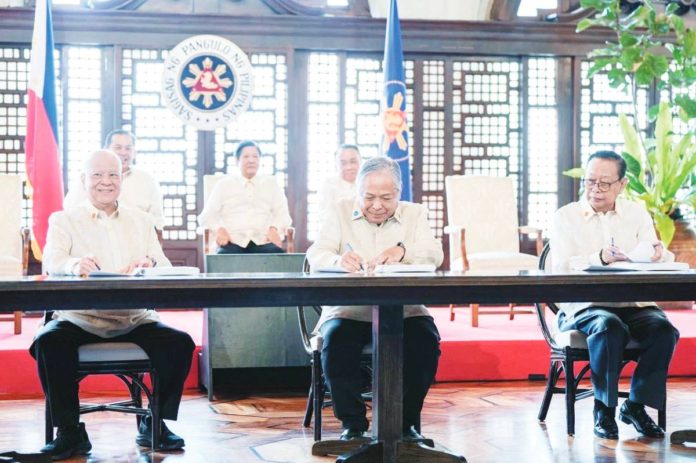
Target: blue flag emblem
[{"x": 395, "y": 138}]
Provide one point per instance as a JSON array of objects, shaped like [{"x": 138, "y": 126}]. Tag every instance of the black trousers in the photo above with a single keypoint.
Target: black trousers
[
  {"x": 252, "y": 248},
  {"x": 340, "y": 359},
  {"x": 608, "y": 332},
  {"x": 55, "y": 350}
]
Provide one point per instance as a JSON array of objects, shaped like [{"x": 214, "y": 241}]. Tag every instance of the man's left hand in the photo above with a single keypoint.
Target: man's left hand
[
  {"x": 274, "y": 237},
  {"x": 392, "y": 255},
  {"x": 138, "y": 263},
  {"x": 657, "y": 257}
]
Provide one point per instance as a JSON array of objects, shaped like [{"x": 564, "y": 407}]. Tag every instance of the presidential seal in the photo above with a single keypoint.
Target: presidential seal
[{"x": 207, "y": 81}]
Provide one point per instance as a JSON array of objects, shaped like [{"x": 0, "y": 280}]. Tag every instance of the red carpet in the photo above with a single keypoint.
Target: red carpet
[
  {"x": 503, "y": 349},
  {"x": 18, "y": 376},
  {"x": 499, "y": 349}
]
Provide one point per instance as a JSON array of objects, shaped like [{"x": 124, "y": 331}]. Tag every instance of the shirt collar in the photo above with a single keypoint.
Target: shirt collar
[
  {"x": 588, "y": 212},
  {"x": 358, "y": 214},
  {"x": 95, "y": 213}
]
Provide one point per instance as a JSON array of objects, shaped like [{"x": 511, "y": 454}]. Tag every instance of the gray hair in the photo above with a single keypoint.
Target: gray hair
[
  {"x": 377, "y": 164},
  {"x": 87, "y": 166}
]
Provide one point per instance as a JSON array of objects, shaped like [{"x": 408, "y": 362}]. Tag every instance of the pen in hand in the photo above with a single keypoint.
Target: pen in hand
[
  {"x": 612, "y": 246},
  {"x": 94, "y": 261},
  {"x": 350, "y": 248}
]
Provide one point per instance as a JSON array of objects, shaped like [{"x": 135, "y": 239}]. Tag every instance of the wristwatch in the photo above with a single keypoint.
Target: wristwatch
[{"x": 401, "y": 245}]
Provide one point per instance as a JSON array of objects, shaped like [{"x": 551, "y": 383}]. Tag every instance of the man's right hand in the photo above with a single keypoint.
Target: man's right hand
[
  {"x": 88, "y": 264},
  {"x": 352, "y": 262},
  {"x": 222, "y": 237},
  {"x": 611, "y": 254}
]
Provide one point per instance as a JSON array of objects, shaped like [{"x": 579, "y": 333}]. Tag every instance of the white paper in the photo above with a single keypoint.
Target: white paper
[
  {"x": 638, "y": 266},
  {"x": 387, "y": 268},
  {"x": 405, "y": 268},
  {"x": 165, "y": 271},
  {"x": 105, "y": 274},
  {"x": 335, "y": 269},
  {"x": 643, "y": 252}
]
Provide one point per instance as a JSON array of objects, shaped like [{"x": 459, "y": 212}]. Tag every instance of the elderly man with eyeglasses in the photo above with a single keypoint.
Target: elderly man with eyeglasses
[{"x": 600, "y": 229}]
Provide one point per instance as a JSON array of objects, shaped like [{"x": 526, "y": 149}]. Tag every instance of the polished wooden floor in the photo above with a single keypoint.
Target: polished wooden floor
[{"x": 485, "y": 422}]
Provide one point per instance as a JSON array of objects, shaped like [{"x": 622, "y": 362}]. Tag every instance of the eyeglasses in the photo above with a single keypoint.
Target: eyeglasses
[{"x": 601, "y": 186}]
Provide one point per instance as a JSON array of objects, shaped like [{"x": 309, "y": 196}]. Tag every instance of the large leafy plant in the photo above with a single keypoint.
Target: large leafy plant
[{"x": 652, "y": 48}]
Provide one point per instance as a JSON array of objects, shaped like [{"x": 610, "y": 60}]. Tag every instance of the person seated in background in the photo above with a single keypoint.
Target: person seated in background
[
  {"x": 373, "y": 229},
  {"x": 139, "y": 189},
  {"x": 103, "y": 234},
  {"x": 343, "y": 185},
  {"x": 247, "y": 213},
  {"x": 600, "y": 229}
]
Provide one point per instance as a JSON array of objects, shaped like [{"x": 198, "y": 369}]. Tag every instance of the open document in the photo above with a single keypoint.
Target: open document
[
  {"x": 405, "y": 268},
  {"x": 388, "y": 268},
  {"x": 149, "y": 272},
  {"x": 636, "y": 266}
]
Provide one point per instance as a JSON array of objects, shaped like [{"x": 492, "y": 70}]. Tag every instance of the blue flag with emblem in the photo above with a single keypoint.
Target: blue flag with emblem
[{"x": 395, "y": 137}]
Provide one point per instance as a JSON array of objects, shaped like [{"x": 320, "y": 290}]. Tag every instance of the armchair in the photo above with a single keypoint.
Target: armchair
[
  {"x": 14, "y": 239},
  {"x": 209, "y": 245},
  {"x": 483, "y": 230}
]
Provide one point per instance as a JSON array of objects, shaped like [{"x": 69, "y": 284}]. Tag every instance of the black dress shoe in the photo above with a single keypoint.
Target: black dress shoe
[
  {"x": 605, "y": 425},
  {"x": 71, "y": 440},
  {"x": 351, "y": 434},
  {"x": 410, "y": 434},
  {"x": 635, "y": 414},
  {"x": 167, "y": 441}
]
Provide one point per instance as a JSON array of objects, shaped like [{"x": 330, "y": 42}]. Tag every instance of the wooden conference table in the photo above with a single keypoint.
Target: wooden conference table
[{"x": 387, "y": 293}]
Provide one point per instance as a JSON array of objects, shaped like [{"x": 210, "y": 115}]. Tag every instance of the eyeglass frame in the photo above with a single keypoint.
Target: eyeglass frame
[{"x": 590, "y": 184}]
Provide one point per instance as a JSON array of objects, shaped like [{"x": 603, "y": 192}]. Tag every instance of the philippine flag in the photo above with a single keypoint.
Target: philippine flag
[{"x": 41, "y": 143}]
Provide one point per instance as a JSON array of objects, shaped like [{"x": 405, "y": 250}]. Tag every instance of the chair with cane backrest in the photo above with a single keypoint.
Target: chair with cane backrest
[
  {"x": 567, "y": 348},
  {"x": 484, "y": 232},
  {"x": 14, "y": 239},
  {"x": 209, "y": 245}
]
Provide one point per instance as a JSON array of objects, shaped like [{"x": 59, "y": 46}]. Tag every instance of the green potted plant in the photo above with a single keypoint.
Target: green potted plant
[{"x": 652, "y": 48}]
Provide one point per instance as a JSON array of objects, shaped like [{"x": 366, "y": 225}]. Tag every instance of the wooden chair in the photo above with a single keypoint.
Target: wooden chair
[
  {"x": 317, "y": 389},
  {"x": 14, "y": 239},
  {"x": 567, "y": 348},
  {"x": 128, "y": 362},
  {"x": 483, "y": 231},
  {"x": 209, "y": 245}
]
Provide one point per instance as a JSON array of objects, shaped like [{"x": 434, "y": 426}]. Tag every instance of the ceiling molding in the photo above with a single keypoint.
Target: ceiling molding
[{"x": 139, "y": 28}]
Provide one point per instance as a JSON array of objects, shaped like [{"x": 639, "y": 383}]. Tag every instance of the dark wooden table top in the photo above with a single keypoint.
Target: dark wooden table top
[
  {"x": 284, "y": 289},
  {"x": 389, "y": 292}
]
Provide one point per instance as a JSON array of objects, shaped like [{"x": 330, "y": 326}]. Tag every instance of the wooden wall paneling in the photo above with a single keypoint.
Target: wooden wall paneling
[
  {"x": 298, "y": 63},
  {"x": 111, "y": 93},
  {"x": 568, "y": 91},
  {"x": 416, "y": 129},
  {"x": 449, "y": 149},
  {"x": 522, "y": 200},
  {"x": 206, "y": 165}
]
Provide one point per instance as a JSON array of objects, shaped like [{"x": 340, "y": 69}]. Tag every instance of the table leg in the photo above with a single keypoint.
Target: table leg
[
  {"x": 387, "y": 401},
  {"x": 685, "y": 435}
]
